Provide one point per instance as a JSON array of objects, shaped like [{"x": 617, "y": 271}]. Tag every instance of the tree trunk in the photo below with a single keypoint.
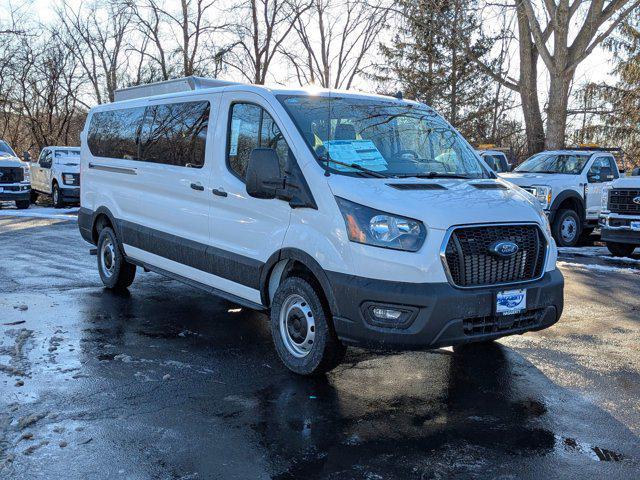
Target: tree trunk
[
  {"x": 529, "y": 85},
  {"x": 559, "y": 84}
]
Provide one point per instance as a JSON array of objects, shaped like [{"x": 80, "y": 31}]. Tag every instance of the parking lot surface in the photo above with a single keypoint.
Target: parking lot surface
[{"x": 166, "y": 381}]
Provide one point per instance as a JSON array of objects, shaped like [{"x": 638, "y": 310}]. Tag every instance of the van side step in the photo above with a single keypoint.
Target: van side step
[{"x": 193, "y": 283}]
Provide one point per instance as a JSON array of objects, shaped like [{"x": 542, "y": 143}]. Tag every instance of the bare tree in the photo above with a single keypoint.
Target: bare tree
[
  {"x": 261, "y": 29},
  {"x": 544, "y": 31},
  {"x": 337, "y": 38},
  {"x": 96, "y": 34}
]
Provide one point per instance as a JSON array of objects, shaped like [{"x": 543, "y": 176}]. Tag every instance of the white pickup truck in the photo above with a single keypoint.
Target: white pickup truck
[
  {"x": 14, "y": 178},
  {"x": 620, "y": 218},
  {"x": 57, "y": 173},
  {"x": 569, "y": 185}
]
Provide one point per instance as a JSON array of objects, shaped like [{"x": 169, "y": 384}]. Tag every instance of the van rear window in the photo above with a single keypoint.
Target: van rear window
[{"x": 172, "y": 134}]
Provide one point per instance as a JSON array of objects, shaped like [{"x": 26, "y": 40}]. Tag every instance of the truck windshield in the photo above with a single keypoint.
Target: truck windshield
[
  {"x": 352, "y": 136},
  {"x": 571, "y": 164},
  {"x": 5, "y": 150}
]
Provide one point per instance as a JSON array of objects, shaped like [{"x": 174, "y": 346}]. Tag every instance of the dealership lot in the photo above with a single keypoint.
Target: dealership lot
[{"x": 169, "y": 382}]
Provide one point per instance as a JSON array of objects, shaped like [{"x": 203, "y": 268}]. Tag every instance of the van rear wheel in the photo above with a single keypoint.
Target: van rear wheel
[
  {"x": 302, "y": 330},
  {"x": 115, "y": 271}
]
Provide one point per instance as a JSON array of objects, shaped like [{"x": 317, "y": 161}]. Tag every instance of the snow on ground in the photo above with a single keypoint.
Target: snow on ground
[
  {"x": 595, "y": 252},
  {"x": 36, "y": 211},
  {"x": 598, "y": 268}
]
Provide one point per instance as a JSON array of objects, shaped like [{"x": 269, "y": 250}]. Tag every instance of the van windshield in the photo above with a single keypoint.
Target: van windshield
[
  {"x": 352, "y": 136},
  {"x": 5, "y": 150}
]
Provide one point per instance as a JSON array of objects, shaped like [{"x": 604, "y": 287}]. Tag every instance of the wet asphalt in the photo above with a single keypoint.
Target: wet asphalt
[{"x": 166, "y": 381}]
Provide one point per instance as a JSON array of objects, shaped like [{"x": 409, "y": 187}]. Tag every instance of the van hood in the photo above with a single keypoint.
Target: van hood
[
  {"x": 529, "y": 179},
  {"x": 10, "y": 161},
  {"x": 460, "y": 202}
]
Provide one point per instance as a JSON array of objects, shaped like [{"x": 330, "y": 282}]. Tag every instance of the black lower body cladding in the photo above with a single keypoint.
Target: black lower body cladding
[{"x": 443, "y": 315}]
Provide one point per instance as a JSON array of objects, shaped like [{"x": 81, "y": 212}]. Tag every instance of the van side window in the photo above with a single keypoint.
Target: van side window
[
  {"x": 113, "y": 133},
  {"x": 175, "y": 134},
  {"x": 250, "y": 126}
]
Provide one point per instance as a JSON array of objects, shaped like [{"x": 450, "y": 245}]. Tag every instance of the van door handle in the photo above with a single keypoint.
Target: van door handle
[
  {"x": 219, "y": 192},
  {"x": 197, "y": 186}
]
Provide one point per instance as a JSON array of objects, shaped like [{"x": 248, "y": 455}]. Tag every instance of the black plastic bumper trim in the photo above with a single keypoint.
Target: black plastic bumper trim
[{"x": 442, "y": 310}]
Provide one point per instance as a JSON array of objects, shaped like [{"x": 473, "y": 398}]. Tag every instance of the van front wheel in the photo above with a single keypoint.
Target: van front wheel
[
  {"x": 115, "y": 271},
  {"x": 302, "y": 330}
]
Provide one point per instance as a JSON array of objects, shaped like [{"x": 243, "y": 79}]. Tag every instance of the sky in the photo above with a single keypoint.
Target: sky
[{"x": 596, "y": 68}]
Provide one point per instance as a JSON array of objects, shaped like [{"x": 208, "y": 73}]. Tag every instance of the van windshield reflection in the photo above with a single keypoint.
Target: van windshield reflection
[{"x": 354, "y": 136}]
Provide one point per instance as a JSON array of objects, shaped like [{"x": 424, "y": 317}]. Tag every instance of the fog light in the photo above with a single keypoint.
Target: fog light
[{"x": 386, "y": 313}]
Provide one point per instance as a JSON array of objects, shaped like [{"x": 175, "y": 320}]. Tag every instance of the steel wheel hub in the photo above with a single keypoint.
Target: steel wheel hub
[
  {"x": 297, "y": 326},
  {"x": 108, "y": 257},
  {"x": 568, "y": 229}
]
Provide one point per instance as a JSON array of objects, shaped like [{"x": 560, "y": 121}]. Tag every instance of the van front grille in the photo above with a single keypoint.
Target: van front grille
[
  {"x": 621, "y": 201},
  {"x": 471, "y": 263},
  {"x": 11, "y": 174}
]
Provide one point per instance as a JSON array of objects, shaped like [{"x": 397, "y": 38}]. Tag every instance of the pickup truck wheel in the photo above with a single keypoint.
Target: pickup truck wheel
[
  {"x": 34, "y": 196},
  {"x": 566, "y": 228},
  {"x": 115, "y": 271},
  {"x": 620, "y": 249},
  {"x": 22, "y": 204},
  {"x": 302, "y": 330},
  {"x": 56, "y": 196}
]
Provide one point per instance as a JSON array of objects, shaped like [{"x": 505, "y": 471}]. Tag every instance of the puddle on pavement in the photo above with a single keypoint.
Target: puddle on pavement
[{"x": 595, "y": 453}]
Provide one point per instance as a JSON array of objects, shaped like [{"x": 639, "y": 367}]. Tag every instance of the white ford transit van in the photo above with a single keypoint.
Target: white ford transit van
[{"x": 352, "y": 219}]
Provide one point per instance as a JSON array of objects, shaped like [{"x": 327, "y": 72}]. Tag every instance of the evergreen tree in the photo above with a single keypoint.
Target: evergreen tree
[{"x": 428, "y": 60}]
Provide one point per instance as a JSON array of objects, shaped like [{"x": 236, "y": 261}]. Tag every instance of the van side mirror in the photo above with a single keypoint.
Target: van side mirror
[{"x": 263, "y": 178}]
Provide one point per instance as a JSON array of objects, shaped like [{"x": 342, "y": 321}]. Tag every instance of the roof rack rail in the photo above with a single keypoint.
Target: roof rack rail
[{"x": 184, "y": 84}]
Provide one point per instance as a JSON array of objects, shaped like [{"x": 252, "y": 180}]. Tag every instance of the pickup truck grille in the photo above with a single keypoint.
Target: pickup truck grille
[
  {"x": 472, "y": 264},
  {"x": 11, "y": 174},
  {"x": 621, "y": 201}
]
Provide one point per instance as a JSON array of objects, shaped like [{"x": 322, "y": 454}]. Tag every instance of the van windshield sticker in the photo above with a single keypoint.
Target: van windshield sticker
[{"x": 361, "y": 152}]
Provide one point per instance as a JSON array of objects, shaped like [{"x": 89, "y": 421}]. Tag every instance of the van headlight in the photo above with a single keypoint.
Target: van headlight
[
  {"x": 543, "y": 194},
  {"x": 380, "y": 229}
]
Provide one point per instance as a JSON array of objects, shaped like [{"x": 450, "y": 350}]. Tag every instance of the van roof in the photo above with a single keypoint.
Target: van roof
[{"x": 197, "y": 85}]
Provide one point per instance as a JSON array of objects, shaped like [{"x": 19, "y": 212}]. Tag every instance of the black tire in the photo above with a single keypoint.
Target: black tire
[
  {"x": 324, "y": 351},
  {"x": 56, "y": 196},
  {"x": 620, "y": 249},
  {"x": 22, "y": 204},
  {"x": 115, "y": 271},
  {"x": 34, "y": 196},
  {"x": 566, "y": 228}
]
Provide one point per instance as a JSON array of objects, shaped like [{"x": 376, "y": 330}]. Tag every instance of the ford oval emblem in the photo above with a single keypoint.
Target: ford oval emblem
[
  {"x": 503, "y": 248},
  {"x": 636, "y": 200}
]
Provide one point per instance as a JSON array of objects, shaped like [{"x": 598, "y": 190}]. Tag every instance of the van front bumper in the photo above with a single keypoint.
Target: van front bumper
[{"x": 437, "y": 315}]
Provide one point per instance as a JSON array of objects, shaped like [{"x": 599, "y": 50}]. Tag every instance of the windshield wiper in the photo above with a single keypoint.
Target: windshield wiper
[
  {"x": 435, "y": 175},
  {"x": 355, "y": 166}
]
